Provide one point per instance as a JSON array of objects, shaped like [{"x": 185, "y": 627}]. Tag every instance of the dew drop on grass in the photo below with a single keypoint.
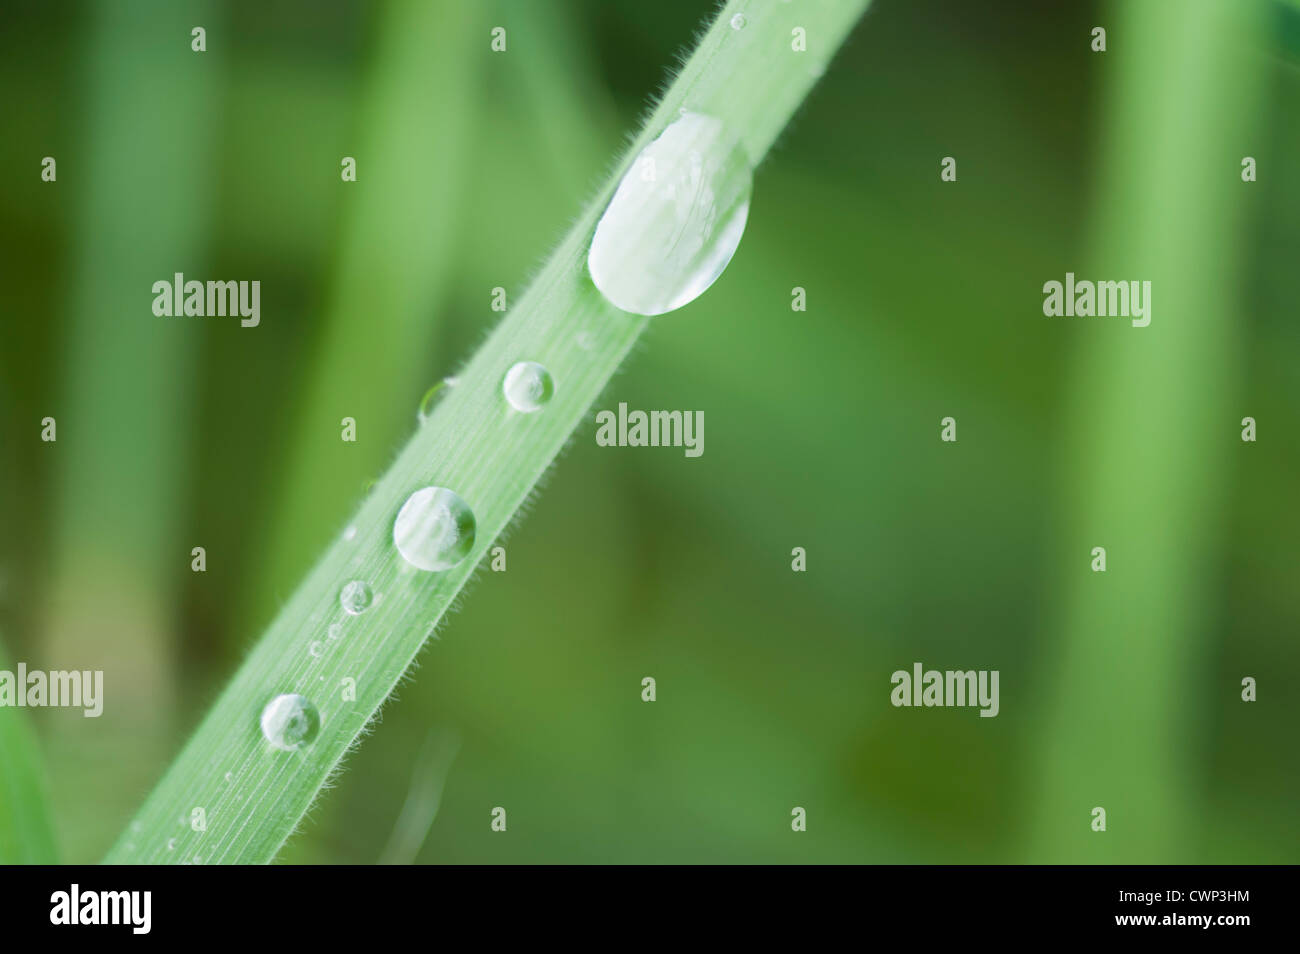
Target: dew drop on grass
[
  {"x": 434, "y": 529},
  {"x": 675, "y": 219},
  {"x": 335, "y": 630},
  {"x": 315, "y": 649},
  {"x": 431, "y": 398},
  {"x": 738, "y": 21},
  {"x": 290, "y": 721},
  {"x": 171, "y": 844},
  {"x": 350, "y": 534},
  {"x": 356, "y": 597},
  {"x": 528, "y": 386}
]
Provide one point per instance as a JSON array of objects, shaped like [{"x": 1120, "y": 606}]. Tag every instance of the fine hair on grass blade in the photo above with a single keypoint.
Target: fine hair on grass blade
[{"x": 339, "y": 646}]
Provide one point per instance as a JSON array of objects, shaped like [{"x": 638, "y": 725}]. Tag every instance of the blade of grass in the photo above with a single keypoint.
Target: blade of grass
[
  {"x": 423, "y": 799},
  {"x": 119, "y": 553},
  {"x": 26, "y": 834},
  {"x": 253, "y": 797},
  {"x": 392, "y": 267},
  {"x": 1118, "y": 732}
]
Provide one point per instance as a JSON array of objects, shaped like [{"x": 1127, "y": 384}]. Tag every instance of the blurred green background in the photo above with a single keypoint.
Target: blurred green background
[{"x": 1119, "y": 690}]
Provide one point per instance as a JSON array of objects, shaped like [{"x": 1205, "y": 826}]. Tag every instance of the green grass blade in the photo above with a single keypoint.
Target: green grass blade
[
  {"x": 250, "y": 797},
  {"x": 392, "y": 267},
  {"x": 1117, "y": 734},
  {"x": 26, "y": 834}
]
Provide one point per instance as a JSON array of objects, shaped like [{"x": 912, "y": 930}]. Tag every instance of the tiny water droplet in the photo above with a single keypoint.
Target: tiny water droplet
[
  {"x": 738, "y": 21},
  {"x": 434, "y": 529},
  {"x": 663, "y": 240},
  {"x": 350, "y": 533},
  {"x": 528, "y": 386},
  {"x": 356, "y": 597},
  {"x": 315, "y": 649},
  {"x": 335, "y": 630},
  {"x": 230, "y": 776},
  {"x": 431, "y": 397},
  {"x": 290, "y": 721},
  {"x": 585, "y": 340},
  {"x": 171, "y": 844}
]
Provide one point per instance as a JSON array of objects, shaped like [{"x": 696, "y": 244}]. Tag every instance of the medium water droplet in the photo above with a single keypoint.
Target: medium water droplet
[
  {"x": 527, "y": 386},
  {"x": 738, "y": 21},
  {"x": 666, "y": 237},
  {"x": 290, "y": 721},
  {"x": 356, "y": 597},
  {"x": 431, "y": 397},
  {"x": 434, "y": 529}
]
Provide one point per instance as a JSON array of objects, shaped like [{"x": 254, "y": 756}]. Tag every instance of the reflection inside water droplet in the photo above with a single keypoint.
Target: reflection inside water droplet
[
  {"x": 290, "y": 721},
  {"x": 527, "y": 386},
  {"x": 356, "y": 597},
  {"x": 434, "y": 529},
  {"x": 675, "y": 220}
]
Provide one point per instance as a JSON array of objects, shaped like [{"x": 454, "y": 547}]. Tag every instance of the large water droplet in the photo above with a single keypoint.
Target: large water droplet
[
  {"x": 528, "y": 386},
  {"x": 356, "y": 597},
  {"x": 290, "y": 721},
  {"x": 434, "y": 529},
  {"x": 675, "y": 219}
]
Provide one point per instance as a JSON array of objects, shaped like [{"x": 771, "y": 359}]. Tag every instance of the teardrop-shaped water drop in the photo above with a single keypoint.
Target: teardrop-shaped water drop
[
  {"x": 356, "y": 597},
  {"x": 434, "y": 529},
  {"x": 290, "y": 721},
  {"x": 675, "y": 219},
  {"x": 528, "y": 386}
]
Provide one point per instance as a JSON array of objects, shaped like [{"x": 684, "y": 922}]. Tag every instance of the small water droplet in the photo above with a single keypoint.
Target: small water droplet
[
  {"x": 290, "y": 721},
  {"x": 350, "y": 533},
  {"x": 171, "y": 844},
  {"x": 528, "y": 386},
  {"x": 663, "y": 240},
  {"x": 315, "y": 649},
  {"x": 356, "y": 597},
  {"x": 431, "y": 398},
  {"x": 738, "y": 21},
  {"x": 335, "y": 630},
  {"x": 230, "y": 776},
  {"x": 434, "y": 529}
]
